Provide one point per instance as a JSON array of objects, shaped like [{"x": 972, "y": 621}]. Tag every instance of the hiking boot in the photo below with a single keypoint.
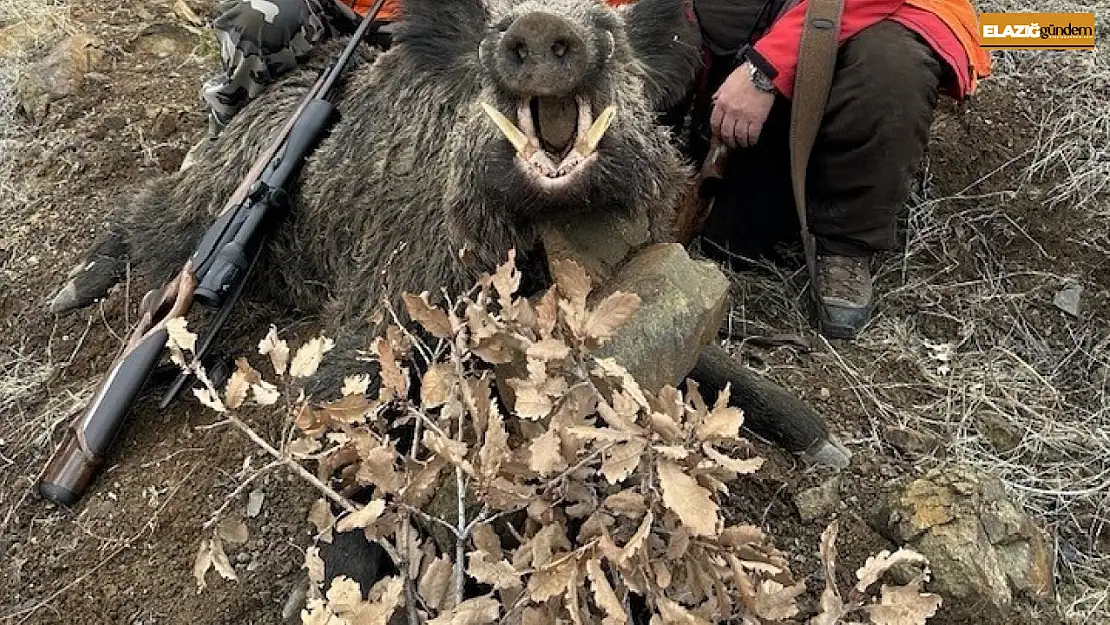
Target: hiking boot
[{"x": 845, "y": 297}]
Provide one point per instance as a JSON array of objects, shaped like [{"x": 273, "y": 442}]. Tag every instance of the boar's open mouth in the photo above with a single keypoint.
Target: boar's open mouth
[{"x": 554, "y": 137}]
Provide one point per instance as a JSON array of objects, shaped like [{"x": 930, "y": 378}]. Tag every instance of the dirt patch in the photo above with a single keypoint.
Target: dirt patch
[{"x": 968, "y": 350}]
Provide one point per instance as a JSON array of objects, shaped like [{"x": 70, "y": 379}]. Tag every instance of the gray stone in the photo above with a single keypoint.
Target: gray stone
[
  {"x": 682, "y": 301},
  {"x": 682, "y": 304},
  {"x": 911, "y": 442},
  {"x": 57, "y": 76},
  {"x": 164, "y": 40},
  {"x": 982, "y": 549},
  {"x": 819, "y": 501},
  {"x": 1068, "y": 299},
  {"x": 19, "y": 38}
]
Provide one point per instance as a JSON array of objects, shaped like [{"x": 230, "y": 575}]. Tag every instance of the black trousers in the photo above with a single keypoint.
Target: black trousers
[{"x": 876, "y": 126}]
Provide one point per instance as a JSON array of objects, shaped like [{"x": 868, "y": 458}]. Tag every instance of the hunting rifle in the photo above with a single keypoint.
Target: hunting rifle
[{"x": 214, "y": 275}]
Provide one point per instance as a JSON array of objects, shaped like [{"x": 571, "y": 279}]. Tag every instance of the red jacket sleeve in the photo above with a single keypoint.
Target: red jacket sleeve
[{"x": 776, "y": 52}]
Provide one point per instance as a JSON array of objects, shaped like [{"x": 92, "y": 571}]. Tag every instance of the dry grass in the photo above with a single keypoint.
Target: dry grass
[
  {"x": 1073, "y": 130},
  {"x": 968, "y": 345}
]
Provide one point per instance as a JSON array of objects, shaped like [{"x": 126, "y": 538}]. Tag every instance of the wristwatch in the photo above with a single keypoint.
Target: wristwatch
[{"x": 760, "y": 80}]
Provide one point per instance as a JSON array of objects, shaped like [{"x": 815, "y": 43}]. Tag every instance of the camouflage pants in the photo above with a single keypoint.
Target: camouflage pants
[{"x": 259, "y": 41}]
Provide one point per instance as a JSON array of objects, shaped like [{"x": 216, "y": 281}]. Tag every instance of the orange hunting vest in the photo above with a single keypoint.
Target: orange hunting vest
[
  {"x": 391, "y": 9},
  {"x": 960, "y": 17}
]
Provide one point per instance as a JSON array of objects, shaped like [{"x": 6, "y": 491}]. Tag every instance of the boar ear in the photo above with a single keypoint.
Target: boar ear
[
  {"x": 665, "y": 38},
  {"x": 440, "y": 33}
]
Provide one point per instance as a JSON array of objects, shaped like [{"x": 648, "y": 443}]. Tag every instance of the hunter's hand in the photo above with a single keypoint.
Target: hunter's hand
[{"x": 740, "y": 109}]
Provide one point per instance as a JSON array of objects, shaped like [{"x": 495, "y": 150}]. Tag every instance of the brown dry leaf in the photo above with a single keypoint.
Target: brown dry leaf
[
  {"x": 486, "y": 539},
  {"x": 904, "y": 605},
  {"x": 545, "y": 456},
  {"x": 543, "y": 615},
  {"x": 309, "y": 355},
  {"x": 220, "y": 561},
  {"x": 547, "y": 313},
  {"x": 394, "y": 377},
  {"x": 616, "y": 419},
  {"x": 603, "y": 322},
  {"x": 610, "y": 368},
  {"x": 638, "y": 540},
  {"x": 548, "y": 349},
  {"x": 499, "y": 574},
  {"x": 672, "y": 452},
  {"x": 277, "y": 349},
  {"x": 265, "y": 393},
  {"x": 355, "y": 385},
  {"x": 674, "y": 613},
  {"x": 344, "y": 596},
  {"x": 477, "y": 611},
  {"x": 363, "y": 517},
  {"x": 435, "y": 584},
  {"x": 777, "y": 602},
  {"x": 622, "y": 460},
  {"x": 505, "y": 495},
  {"x": 627, "y": 502},
  {"x": 377, "y": 469},
  {"x": 179, "y": 339},
  {"x": 832, "y": 605},
  {"x": 495, "y": 449},
  {"x": 422, "y": 484},
  {"x": 878, "y": 564},
  {"x": 598, "y": 434},
  {"x": 320, "y": 515},
  {"x": 531, "y": 400},
  {"x": 451, "y": 450},
  {"x": 723, "y": 423},
  {"x": 202, "y": 563},
  {"x": 571, "y": 279},
  {"x": 689, "y": 501},
  {"x": 316, "y": 612},
  {"x": 552, "y": 579},
  {"x": 433, "y": 319},
  {"x": 314, "y": 564},
  {"x": 235, "y": 391},
  {"x": 210, "y": 399},
  {"x": 382, "y": 602},
  {"x": 383, "y": 599},
  {"x": 728, "y": 463},
  {"x": 506, "y": 280},
  {"x": 604, "y": 596},
  {"x": 438, "y": 383}
]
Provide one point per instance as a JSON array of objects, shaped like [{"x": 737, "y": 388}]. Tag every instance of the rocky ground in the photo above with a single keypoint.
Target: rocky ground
[{"x": 975, "y": 404}]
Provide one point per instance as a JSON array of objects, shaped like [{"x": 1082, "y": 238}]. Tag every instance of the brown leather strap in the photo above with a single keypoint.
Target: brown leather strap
[{"x": 812, "y": 80}]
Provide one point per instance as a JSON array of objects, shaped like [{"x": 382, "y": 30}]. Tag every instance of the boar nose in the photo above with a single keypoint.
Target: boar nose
[{"x": 541, "y": 54}]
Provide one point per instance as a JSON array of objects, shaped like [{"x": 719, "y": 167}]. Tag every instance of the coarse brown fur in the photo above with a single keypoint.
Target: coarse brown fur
[{"x": 414, "y": 172}]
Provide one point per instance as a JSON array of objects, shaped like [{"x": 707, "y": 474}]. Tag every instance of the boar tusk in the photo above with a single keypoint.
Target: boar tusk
[
  {"x": 597, "y": 130},
  {"x": 509, "y": 129}
]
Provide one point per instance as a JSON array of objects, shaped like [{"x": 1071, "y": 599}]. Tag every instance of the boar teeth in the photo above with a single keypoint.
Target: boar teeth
[
  {"x": 512, "y": 133},
  {"x": 593, "y": 136}
]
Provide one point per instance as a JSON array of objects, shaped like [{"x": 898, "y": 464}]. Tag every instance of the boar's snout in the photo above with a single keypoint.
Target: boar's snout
[{"x": 542, "y": 54}]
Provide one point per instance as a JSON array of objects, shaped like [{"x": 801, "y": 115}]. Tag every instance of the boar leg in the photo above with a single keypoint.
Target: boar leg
[{"x": 769, "y": 410}]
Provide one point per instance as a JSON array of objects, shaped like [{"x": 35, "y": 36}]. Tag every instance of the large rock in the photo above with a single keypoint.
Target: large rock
[
  {"x": 19, "y": 38},
  {"x": 57, "y": 76},
  {"x": 682, "y": 301},
  {"x": 981, "y": 547},
  {"x": 682, "y": 304}
]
